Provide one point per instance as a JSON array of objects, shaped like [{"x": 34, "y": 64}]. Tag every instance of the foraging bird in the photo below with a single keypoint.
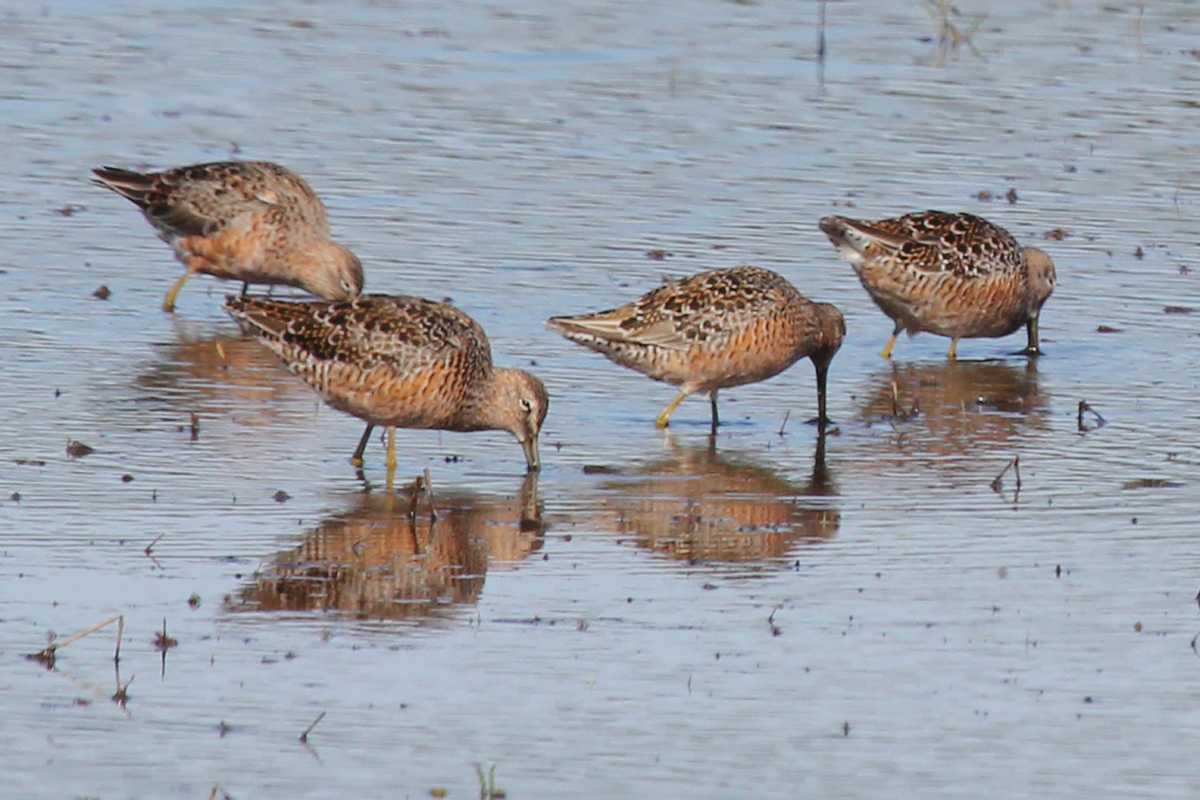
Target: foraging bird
[
  {"x": 251, "y": 221},
  {"x": 955, "y": 275},
  {"x": 714, "y": 330},
  {"x": 399, "y": 362}
]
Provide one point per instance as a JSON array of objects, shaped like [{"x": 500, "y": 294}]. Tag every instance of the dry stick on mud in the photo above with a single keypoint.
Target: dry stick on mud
[
  {"x": 308, "y": 730},
  {"x": 1015, "y": 466},
  {"x": 46, "y": 655}
]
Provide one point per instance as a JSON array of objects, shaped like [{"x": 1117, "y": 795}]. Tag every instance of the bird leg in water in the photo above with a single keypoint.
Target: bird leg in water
[{"x": 661, "y": 420}]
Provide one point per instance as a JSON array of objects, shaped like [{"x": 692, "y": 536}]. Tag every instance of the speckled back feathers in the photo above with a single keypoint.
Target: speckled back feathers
[{"x": 931, "y": 241}]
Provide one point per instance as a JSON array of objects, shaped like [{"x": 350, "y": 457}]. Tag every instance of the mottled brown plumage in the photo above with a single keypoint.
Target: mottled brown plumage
[
  {"x": 714, "y": 330},
  {"x": 955, "y": 275},
  {"x": 400, "y": 362},
  {"x": 251, "y": 221}
]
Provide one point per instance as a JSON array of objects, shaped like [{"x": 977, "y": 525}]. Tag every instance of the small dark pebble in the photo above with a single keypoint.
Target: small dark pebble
[
  {"x": 1138, "y": 253},
  {"x": 1069, "y": 168},
  {"x": 1107, "y": 329},
  {"x": 1057, "y": 234},
  {"x": 984, "y": 196},
  {"x": 15, "y": 497},
  {"x": 194, "y": 600},
  {"x": 69, "y": 209},
  {"x": 29, "y": 462},
  {"x": 77, "y": 449},
  {"x": 657, "y": 255},
  {"x": 281, "y": 496},
  {"x": 1011, "y": 195},
  {"x": 102, "y": 293},
  {"x": 1178, "y": 309},
  {"x": 126, "y": 478}
]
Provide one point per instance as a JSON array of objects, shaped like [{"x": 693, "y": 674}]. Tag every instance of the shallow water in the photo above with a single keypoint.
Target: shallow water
[{"x": 769, "y": 614}]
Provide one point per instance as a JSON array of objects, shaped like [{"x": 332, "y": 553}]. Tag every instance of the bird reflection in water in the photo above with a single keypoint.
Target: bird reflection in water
[
  {"x": 214, "y": 374},
  {"x": 953, "y": 407},
  {"x": 701, "y": 506},
  {"x": 388, "y": 559}
]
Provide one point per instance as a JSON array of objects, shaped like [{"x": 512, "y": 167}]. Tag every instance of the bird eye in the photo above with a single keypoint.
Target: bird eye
[{"x": 525, "y": 404}]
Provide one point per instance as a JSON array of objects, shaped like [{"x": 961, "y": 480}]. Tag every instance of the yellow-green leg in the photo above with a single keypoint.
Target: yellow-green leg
[
  {"x": 953, "y": 354},
  {"x": 891, "y": 342},
  {"x": 661, "y": 420},
  {"x": 391, "y": 457},
  {"x": 391, "y": 450},
  {"x": 169, "y": 300}
]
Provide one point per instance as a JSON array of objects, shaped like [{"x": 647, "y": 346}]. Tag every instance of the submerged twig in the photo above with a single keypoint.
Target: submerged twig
[
  {"x": 1085, "y": 408},
  {"x": 1015, "y": 466},
  {"x": 47, "y": 654},
  {"x": 308, "y": 730},
  {"x": 821, "y": 44},
  {"x": 150, "y": 547},
  {"x": 786, "y": 414},
  {"x": 950, "y": 37}
]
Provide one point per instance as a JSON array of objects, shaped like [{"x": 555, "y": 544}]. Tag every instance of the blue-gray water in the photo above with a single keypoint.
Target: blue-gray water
[{"x": 671, "y": 622}]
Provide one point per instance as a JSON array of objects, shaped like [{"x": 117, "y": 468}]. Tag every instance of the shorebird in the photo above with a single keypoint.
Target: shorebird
[
  {"x": 955, "y": 275},
  {"x": 714, "y": 330},
  {"x": 251, "y": 221},
  {"x": 399, "y": 362}
]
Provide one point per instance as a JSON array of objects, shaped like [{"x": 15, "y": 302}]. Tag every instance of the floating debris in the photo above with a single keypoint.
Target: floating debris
[
  {"x": 102, "y": 293},
  {"x": 658, "y": 255},
  {"x": 281, "y": 496},
  {"x": 1057, "y": 234},
  {"x": 1151, "y": 483},
  {"x": 1107, "y": 329},
  {"x": 1178, "y": 309},
  {"x": 77, "y": 449},
  {"x": 162, "y": 642}
]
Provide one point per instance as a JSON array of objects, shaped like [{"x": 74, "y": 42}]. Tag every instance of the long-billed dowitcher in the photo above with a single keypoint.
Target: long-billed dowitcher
[
  {"x": 955, "y": 275},
  {"x": 251, "y": 221},
  {"x": 714, "y": 330},
  {"x": 399, "y": 362}
]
